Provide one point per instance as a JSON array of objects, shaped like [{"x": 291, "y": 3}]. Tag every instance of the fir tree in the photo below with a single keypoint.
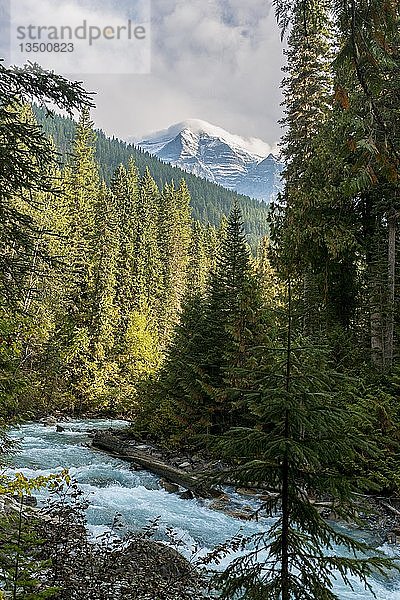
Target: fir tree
[
  {"x": 212, "y": 342},
  {"x": 234, "y": 318},
  {"x": 24, "y": 145},
  {"x": 198, "y": 260},
  {"x": 76, "y": 329},
  {"x": 148, "y": 262}
]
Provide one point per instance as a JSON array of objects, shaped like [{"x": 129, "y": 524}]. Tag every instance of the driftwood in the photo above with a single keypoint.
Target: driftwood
[
  {"x": 112, "y": 444},
  {"x": 391, "y": 508}
]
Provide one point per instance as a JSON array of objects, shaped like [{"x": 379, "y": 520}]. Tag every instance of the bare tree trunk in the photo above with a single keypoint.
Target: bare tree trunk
[
  {"x": 389, "y": 337},
  {"x": 310, "y": 300},
  {"x": 285, "y": 568},
  {"x": 376, "y": 315}
]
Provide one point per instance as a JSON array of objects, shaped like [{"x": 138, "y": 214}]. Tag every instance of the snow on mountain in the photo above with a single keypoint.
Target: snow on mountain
[{"x": 245, "y": 165}]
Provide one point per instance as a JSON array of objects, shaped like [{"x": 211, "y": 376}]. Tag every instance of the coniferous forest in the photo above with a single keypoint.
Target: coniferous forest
[{"x": 266, "y": 337}]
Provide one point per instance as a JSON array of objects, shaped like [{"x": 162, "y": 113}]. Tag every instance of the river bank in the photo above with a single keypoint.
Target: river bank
[
  {"x": 110, "y": 485},
  {"x": 188, "y": 475}
]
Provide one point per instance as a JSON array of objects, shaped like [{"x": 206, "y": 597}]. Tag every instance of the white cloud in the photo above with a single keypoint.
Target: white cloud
[
  {"x": 226, "y": 56},
  {"x": 216, "y": 60},
  {"x": 80, "y": 25}
]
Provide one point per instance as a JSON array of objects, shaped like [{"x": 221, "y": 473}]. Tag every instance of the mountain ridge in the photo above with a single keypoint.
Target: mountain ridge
[
  {"x": 209, "y": 201},
  {"x": 243, "y": 165}
]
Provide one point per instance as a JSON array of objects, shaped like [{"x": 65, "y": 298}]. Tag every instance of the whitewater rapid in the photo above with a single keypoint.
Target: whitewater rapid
[{"x": 111, "y": 487}]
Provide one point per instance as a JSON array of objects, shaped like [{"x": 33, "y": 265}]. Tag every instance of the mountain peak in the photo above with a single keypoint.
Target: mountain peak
[
  {"x": 252, "y": 145},
  {"x": 243, "y": 164}
]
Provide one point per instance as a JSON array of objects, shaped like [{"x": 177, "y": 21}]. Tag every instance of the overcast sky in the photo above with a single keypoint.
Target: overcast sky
[{"x": 216, "y": 60}]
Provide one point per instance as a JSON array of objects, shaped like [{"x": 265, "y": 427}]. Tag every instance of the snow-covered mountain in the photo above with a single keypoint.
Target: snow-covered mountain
[{"x": 241, "y": 164}]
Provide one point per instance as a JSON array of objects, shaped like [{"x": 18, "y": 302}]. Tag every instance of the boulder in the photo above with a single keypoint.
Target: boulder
[
  {"x": 186, "y": 495},
  {"x": 49, "y": 421},
  {"x": 169, "y": 487},
  {"x": 242, "y": 514},
  {"x": 246, "y": 491},
  {"x": 221, "y": 504}
]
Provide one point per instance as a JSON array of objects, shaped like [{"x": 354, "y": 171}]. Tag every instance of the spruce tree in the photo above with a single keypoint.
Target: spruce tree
[
  {"x": 176, "y": 406},
  {"x": 198, "y": 261},
  {"x": 174, "y": 239},
  {"x": 367, "y": 68},
  {"x": 234, "y": 319},
  {"x": 147, "y": 272},
  {"x": 298, "y": 449},
  {"x": 211, "y": 344},
  {"x": 299, "y": 224},
  {"x": 26, "y": 160},
  {"x": 339, "y": 228},
  {"x": 124, "y": 187},
  {"x": 75, "y": 331}
]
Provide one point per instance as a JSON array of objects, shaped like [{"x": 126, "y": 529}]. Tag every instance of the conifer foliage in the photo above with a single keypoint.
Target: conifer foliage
[
  {"x": 218, "y": 327},
  {"x": 120, "y": 258},
  {"x": 302, "y": 440},
  {"x": 116, "y": 301}
]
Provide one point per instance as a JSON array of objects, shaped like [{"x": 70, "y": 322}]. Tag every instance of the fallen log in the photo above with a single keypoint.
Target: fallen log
[
  {"x": 391, "y": 508},
  {"x": 113, "y": 445}
]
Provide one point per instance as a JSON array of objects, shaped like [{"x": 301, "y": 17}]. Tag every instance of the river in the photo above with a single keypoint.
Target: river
[{"x": 110, "y": 486}]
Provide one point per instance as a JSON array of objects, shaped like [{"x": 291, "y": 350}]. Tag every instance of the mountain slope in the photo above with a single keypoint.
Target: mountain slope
[
  {"x": 209, "y": 201},
  {"x": 244, "y": 165}
]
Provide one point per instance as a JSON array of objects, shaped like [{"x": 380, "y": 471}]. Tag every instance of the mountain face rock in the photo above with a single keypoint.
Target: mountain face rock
[{"x": 243, "y": 165}]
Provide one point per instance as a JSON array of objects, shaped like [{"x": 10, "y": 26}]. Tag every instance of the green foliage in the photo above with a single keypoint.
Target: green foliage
[
  {"x": 339, "y": 222},
  {"x": 105, "y": 315},
  {"x": 303, "y": 440},
  {"x": 209, "y": 202},
  {"x": 23, "y": 143},
  {"x": 28, "y": 186},
  {"x": 218, "y": 327},
  {"x": 23, "y": 570}
]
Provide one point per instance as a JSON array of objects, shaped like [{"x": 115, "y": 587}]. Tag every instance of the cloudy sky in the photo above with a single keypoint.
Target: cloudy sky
[{"x": 216, "y": 60}]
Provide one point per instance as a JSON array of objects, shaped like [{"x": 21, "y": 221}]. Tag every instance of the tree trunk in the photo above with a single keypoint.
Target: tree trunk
[
  {"x": 376, "y": 316},
  {"x": 389, "y": 337},
  {"x": 111, "y": 443},
  {"x": 310, "y": 300},
  {"x": 285, "y": 467}
]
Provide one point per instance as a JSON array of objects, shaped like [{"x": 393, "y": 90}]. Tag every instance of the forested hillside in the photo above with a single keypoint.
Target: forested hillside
[
  {"x": 290, "y": 368},
  {"x": 120, "y": 298},
  {"x": 209, "y": 202}
]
